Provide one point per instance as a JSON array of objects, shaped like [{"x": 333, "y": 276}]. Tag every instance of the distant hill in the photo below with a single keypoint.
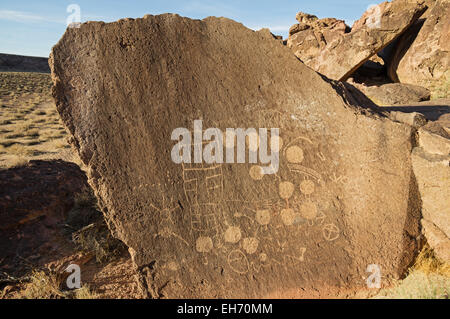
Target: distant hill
[{"x": 20, "y": 63}]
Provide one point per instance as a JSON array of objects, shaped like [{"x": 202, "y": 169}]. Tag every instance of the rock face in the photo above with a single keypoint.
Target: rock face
[
  {"x": 344, "y": 53},
  {"x": 228, "y": 230},
  {"x": 395, "y": 93},
  {"x": 311, "y": 35},
  {"x": 422, "y": 54},
  {"x": 431, "y": 162}
]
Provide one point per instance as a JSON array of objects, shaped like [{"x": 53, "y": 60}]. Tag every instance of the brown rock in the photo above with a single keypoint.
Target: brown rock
[
  {"x": 414, "y": 119},
  {"x": 307, "y": 18},
  {"x": 437, "y": 240},
  {"x": 434, "y": 143},
  {"x": 422, "y": 54},
  {"x": 433, "y": 177},
  {"x": 395, "y": 93},
  {"x": 226, "y": 230},
  {"x": 343, "y": 53},
  {"x": 311, "y": 35}
]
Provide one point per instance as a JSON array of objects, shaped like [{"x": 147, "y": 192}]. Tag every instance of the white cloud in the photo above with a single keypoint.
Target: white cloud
[{"x": 19, "y": 16}]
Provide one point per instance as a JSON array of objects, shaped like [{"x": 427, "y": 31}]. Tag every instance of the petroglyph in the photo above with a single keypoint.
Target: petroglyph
[
  {"x": 250, "y": 245},
  {"x": 233, "y": 235},
  {"x": 256, "y": 173},
  {"x": 294, "y": 154},
  {"x": 204, "y": 244},
  {"x": 122, "y": 132},
  {"x": 238, "y": 262},
  {"x": 307, "y": 187},
  {"x": 331, "y": 232},
  {"x": 286, "y": 189},
  {"x": 288, "y": 216},
  {"x": 263, "y": 217}
]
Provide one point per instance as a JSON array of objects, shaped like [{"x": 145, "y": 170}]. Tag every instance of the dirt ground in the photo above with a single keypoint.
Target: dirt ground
[{"x": 30, "y": 129}]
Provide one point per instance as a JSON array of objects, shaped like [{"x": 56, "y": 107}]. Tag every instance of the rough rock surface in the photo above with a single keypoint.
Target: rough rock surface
[
  {"x": 437, "y": 240},
  {"x": 395, "y": 93},
  {"x": 432, "y": 169},
  {"x": 431, "y": 163},
  {"x": 226, "y": 230},
  {"x": 345, "y": 53},
  {"x": 422, "y": 54},
  {"x": 34, "y": 202},
  {"x": 311, "y": 35}
]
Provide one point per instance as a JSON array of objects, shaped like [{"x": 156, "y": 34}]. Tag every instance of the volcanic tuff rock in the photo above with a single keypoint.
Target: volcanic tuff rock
[
  {"x": 227, "y": 230},
  {"x": 395, "y": 93},
  {"x": 346, "y": 52},
  {"x": 311, "y": 35},
  {"x": 433, "y": 175},
  {"x": 422, "y": 54}
]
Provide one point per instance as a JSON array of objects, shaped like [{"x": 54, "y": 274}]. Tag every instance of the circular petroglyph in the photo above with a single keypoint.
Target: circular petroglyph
[
  {"x": 252, "y": 140},
  {"x": 204, "y": 244},
  {"x": 330, "y": 232},
  {"x": 230, "y": 139},
  {"x": 308, "y": 210},
  {"x": 250, "y": 245},
  {"x": 233, "y": 235},
  {"x": 286, "y": 189},
  {"x": 263, "y": 217},
  {"x": 288, "y": 216},
  {"x": 294, "y": 154},
  {"x": 307, "y": 187},
  {"x": 238, "y": 262},
  {"x": 256, "y": 173},
  {"x": 273, "y": 144}
]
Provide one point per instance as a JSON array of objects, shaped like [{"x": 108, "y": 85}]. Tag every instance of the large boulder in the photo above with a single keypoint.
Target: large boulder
[
  {"x": 311, "y": 35},
  {"x": 344, "y": 53},
  {"x": 433, "y": 175},
  {"x": 422, "y": 55},
  {"x": 344, "y": 196},
  {"x": 431, "y": 162},
  {"x": 395, "y": 93}
]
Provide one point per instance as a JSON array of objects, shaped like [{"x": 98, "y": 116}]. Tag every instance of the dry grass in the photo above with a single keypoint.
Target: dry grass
[
  {"x": 427, "y": 279},
  {"x": 15, "y": 84},
  {"x": 44, "y": 285},
  {"x": 95, "y": 238},
  {"x": 427, "y": 263},
  {"x": 30, "y": 127}
]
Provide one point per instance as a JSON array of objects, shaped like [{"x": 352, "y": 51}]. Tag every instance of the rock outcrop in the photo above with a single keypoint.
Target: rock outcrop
[
  {"x": 395, "y": 93},
  {"x": 311, "y": 35},
  {"x": 422, "y": 55},
  {"x": 344, "y": 196},
  {"x": 431, "y": 162},
  {"x": 344, "y": 53}
]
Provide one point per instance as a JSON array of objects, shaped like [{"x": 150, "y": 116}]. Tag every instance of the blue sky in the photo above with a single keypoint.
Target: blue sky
[{"x": 32, "y": 27}]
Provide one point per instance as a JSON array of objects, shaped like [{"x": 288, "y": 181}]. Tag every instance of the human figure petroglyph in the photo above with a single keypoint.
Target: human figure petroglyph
[
  {"x": 240, "y": 236},
  {"x": 166, "y": 227}
]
